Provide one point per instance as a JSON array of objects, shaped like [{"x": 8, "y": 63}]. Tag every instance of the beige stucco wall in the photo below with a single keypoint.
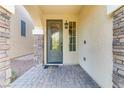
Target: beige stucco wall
[
  {"x": 20, "y": 45},
  {"x": 96, "y": 28},
  {"x": 68, "y": 57}
]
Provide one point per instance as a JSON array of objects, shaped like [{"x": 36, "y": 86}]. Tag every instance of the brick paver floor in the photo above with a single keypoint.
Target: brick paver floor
[{"x": 63, "y": 76}]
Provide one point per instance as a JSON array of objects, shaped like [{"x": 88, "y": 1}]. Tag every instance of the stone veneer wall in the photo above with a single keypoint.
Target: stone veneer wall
[
  {"x": 118, "y": 35},
  {"x": 118, "y": 47},
  {"x": 5, "y": 70},
  {"x": 38, "y": 49}
]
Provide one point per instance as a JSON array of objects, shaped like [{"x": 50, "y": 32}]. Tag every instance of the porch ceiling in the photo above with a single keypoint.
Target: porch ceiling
[{"x": 60, "y": 9}]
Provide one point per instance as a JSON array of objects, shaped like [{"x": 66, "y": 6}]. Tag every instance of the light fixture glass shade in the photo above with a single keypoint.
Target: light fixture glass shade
[
  {"x": 66, "y": 25},
  {"x": 37, "y": 30}
]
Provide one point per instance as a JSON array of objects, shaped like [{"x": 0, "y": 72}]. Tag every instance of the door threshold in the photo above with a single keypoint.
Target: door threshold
[
  {"x": 45, "y": 66},
  {"x": 53, "y": 64}
]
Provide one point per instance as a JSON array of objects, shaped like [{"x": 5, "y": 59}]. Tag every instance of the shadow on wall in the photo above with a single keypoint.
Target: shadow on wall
[{"x": 20, "y": 65}]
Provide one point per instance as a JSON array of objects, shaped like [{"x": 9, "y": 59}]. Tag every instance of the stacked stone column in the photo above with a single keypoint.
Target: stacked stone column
[
  {"x": 118, "y": 35},
  {"x": 38, "y": 49},
  {"x": 118, "y": 47},
  {"x": 5, "y": 69}
]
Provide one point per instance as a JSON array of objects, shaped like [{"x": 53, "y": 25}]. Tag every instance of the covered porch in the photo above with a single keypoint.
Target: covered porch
[{"x": 82, "y": 43}]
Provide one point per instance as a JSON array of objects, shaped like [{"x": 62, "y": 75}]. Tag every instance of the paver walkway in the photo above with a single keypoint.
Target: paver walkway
[{"x": 64, "y": 76}]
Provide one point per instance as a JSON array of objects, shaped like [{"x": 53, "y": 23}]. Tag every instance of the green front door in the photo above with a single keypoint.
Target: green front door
[{"x": 54, "y": 42}]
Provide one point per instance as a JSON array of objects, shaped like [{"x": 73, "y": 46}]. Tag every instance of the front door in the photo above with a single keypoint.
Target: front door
[{"x": 54, "y": 42}]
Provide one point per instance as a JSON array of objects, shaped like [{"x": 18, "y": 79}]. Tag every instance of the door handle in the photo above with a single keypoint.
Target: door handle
[{"x": 61, "y": 46}]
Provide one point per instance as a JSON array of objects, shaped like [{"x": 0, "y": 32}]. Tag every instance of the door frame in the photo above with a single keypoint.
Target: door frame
[{"x": 47, "y": 41}]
